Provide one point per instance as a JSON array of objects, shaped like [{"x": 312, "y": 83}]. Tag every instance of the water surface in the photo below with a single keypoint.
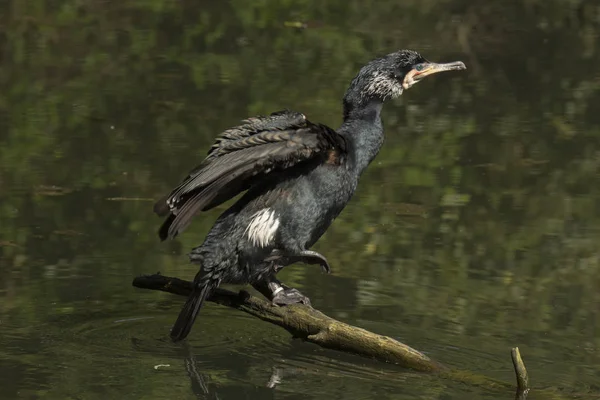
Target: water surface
[{"x": 476, "y": 229}]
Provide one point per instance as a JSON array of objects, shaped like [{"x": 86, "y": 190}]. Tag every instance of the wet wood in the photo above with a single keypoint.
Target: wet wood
[
  {"x": 521, "y": 374},
  {"x": 313, "y": 326},
  {"x": 306, "y": 323}
]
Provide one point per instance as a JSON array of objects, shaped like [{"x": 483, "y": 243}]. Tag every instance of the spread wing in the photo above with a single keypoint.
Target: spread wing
[{"x": 243, "y": 156}]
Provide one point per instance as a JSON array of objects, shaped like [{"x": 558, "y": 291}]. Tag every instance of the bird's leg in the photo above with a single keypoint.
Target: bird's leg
[
  {"x": 304, "y": 256},
  {"x": 278, "y": 293}
]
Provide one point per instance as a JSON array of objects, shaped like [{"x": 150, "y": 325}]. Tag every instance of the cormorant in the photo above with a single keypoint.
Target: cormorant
[{"x": 297, "y": 175}]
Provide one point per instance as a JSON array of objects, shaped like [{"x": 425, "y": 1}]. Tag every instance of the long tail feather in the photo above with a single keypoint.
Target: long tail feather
[{"x": 188, "y": 314}]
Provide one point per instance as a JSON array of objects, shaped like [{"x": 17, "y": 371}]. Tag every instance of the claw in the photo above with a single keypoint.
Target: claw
[
  {"x": 305, "y": 256},
  {"x": 312, "y": 257}
]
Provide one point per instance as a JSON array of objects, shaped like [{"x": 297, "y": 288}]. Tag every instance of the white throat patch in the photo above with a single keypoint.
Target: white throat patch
[
  {"x": 261, "y": 229},
  {"x": 384, "y": 86}
]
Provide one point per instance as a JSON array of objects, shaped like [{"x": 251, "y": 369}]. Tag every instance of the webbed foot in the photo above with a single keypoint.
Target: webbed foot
[
  {"x": 285, "y": 296},
  {"x": 280, "y": 294}
]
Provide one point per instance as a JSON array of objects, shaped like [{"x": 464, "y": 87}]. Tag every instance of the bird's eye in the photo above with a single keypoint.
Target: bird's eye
[{"x": 419, "y": 67}]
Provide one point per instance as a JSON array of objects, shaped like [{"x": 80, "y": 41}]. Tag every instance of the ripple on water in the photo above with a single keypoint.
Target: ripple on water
[
  {"x": 215, "y": 329},
  {"x": 104, "y": 351},
  {"x": 224, "y": 345}
]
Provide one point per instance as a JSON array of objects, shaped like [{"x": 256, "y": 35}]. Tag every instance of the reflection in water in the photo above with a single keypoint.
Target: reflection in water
[
  {"x": 475, "y": 230},
  {"x": 275, "y": 378},
  {"x": 197, "y": 380}
]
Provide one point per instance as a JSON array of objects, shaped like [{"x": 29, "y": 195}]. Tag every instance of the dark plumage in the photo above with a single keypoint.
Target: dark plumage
[{"x": 297, "y": 175}]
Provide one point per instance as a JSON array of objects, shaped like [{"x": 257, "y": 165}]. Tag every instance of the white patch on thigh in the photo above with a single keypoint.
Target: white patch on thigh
[{"x": 262, "y": 227}]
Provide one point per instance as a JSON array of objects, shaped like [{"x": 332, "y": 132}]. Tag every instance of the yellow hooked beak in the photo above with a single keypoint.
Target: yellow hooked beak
[{"x": 422, "y": 70}]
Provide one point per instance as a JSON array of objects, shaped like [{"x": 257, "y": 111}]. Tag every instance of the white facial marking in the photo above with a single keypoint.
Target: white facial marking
[
  {"x": 384, "y": 86},
  {"x": 409, "y": 79},
  {"x": 261, "y": 229}
]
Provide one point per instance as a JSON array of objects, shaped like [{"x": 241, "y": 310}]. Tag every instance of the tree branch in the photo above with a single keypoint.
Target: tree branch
[
  {"x": 521, "y": 373},
  {"x": 315, "y": 327},
  {"x": 306, "y": 323}
]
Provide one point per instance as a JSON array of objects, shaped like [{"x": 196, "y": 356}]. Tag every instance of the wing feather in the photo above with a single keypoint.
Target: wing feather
[{"x": 241, "y": 157}]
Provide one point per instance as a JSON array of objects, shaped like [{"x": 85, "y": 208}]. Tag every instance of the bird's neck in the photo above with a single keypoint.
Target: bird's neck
[{"x": 363, "y": 130}]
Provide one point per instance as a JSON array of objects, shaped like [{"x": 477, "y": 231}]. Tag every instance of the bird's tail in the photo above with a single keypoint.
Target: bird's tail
[{"x": 188, "y": 314}]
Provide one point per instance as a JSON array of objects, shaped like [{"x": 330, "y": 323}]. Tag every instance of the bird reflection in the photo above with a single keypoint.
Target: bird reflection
[{"x": 198, "y": 380}]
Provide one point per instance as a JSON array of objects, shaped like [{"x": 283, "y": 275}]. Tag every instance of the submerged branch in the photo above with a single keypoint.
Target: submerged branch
[
  {"x": 306, "y": 323},
  {"x": 521, "y": 373},
  {"x": 313, "y": 326}
]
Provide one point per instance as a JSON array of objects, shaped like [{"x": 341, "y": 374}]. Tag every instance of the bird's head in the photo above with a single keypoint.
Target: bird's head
[{"x": 388, "y": 76}]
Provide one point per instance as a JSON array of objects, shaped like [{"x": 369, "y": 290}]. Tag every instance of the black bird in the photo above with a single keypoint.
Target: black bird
[{"x": 297, "y": 175}]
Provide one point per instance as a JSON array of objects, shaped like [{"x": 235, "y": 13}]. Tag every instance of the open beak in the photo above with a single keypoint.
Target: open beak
[{"x": 429, "y": 68}]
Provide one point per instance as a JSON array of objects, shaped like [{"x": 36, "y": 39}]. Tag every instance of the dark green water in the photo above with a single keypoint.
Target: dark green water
[{"x": 476, "y": 229}]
